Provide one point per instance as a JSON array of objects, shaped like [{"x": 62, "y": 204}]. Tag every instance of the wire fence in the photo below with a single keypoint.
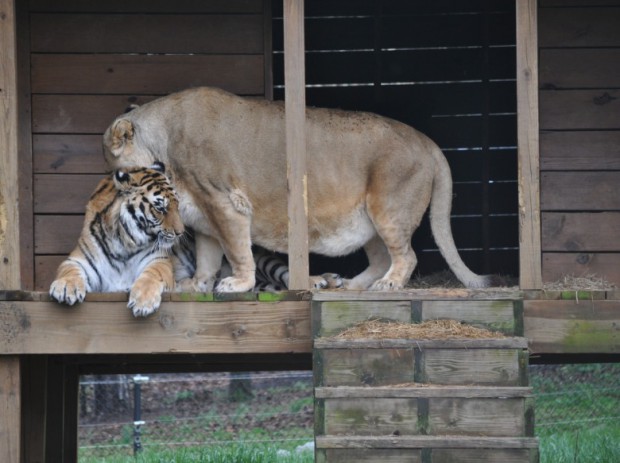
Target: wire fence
[{"x": 123, "y": 414}]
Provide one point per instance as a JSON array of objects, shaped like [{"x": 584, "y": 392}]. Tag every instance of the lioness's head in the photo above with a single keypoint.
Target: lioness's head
[{"x": 123, "y": 146}]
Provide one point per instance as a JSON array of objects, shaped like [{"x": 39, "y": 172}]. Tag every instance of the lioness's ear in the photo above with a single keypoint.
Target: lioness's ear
[{"x": 121, "y": 134}]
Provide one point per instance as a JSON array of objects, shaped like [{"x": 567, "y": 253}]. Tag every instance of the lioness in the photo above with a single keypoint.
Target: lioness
[{"x": 370, "y": 180}]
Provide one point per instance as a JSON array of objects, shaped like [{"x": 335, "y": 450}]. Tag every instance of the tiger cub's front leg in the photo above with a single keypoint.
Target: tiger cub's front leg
[{"x": 145, "y": 294}]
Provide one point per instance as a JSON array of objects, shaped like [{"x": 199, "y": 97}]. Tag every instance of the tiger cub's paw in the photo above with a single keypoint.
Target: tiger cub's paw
[
  {"x": 68, "y": 291},
  {"x": 145, "y": 298},
  {"x": 327, "y": 281}
]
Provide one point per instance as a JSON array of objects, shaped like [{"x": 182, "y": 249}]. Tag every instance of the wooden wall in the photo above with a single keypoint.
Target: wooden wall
[
  {"x": 579, "y": 75},
  {"x": 446, "y": 68},
  {"x": 89, "y": 61}
]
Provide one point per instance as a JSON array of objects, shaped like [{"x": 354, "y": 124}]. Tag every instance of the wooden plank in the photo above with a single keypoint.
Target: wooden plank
[
  {"x": 422, "y": 344},
  {"x": 147, "y": 33},
  {"x": 491, "y": 315},
  {"x": 579, "y": 109},
  {"x": 111, "y": 73},
  {"x": 579, "y": 68},
  {"x": 579, "y": 232},
  {"x": 413, "y": 442},
  {"x": 485, "y": 456},
  {"x": 476, "y": 417},
  {"x": 530, "y": 276},
  {"x": 149, "y": 6},
  {"x": 454, "y": 294},
  {"x": 68, "y": 154},
  {"x": 379, "y": 416},
  {"x": 106, "y": 328},
  {"x": 295, "y": 110},
  {"x": 558, "y": 265},
  {"x": 45, "y": 271},
  {"x": 336, "y": 316},
  {"x": 79, "y": 114},
  {"x": 10, "y": 271},
  {"x": 62, "y": 193},
  {"x": 10, "y": 402},
  {"x": 579, "y": 27},
  {"x": 56, "y": 234},
  {"x": 580, "y": 191},
  {"x": 583, "y": 150},
  {"x": 368, "y": 456},
  {"x": 565, "y": 327},
  {"x": 473, "y": 366},
  {"x": 364, "y": 367},
  {"x": 24, "y": 146},
  {"x": 421, "y": 391}
]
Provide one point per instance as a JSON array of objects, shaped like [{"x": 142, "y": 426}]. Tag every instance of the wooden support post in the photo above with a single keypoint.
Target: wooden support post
[
  {"x": 10, "y": 382},
  {"x": 527, "y": 137},
  {"x": 295, "y": 107},
  {"x": 10, "y": 404}
]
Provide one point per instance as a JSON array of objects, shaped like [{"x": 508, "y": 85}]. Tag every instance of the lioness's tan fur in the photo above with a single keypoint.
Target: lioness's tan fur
[{"x": 370, "y": 180}]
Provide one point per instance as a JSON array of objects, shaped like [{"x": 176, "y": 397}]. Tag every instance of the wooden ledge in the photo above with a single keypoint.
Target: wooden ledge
[
  {"x": 421, "y": 391},
  {"x": 108, "y": 327},
  {"x": 421, "y": 344},
  {"x": 413, "y": 442}
]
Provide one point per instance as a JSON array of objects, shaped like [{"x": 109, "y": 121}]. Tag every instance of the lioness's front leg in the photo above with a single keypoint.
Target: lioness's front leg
[{"x": 238, "y": 250}]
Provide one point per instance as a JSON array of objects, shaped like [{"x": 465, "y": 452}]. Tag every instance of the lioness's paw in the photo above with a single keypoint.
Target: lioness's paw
[
  {"x": 326, "y": 281},
  {"x": 234, "y": 285},
  {"x": 385, "y": 284},
  {"x": 145, "y": 298},
  {"x": 68, "y": 291},
  {"x": 189, "y": 285}
]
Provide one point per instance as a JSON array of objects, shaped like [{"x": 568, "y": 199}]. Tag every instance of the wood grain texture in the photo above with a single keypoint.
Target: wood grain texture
[
  {"x": 408, "y": 442},
  {"x": 558, "y": 265},
  {"x": 368, "y": 456},
  {"x": 10, "y": 406},
  {"x": 295, "y": 108},
  {"x": 580, "y": 109},
  {"x": 150, "y": 6},
  {"x": 337, "y": 316},
  {"x": 423, "y": 391},
  {"x": 147, "y": 33},
  {"x": 530, "y": 276},
  {"x": 581, "y": 232},
  {"x": 115, "y": 73},
  {"x": 56, "y": 234},
  {"x": 579, "y": 27},
  {"x": 583, "y": 150},
  {"x": 106, "y": 328},
  {"x": 68, "y": 154},
  {"x": 579, "y": 68},
  {"x": 584, "y": 326},
  {"x": 10, "y": 277},
  {"x": 63, "y": 194},
  {"x": 580, "y": 191}
]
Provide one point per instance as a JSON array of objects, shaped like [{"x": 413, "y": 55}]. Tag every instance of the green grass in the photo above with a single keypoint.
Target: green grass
[
  {"x": 237, "y": 453},
  {"x": 578, "y": 413}
]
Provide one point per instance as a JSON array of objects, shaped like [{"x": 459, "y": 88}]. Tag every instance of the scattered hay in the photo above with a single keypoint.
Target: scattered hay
[
  {"x": 590, "y": 282},
  {"x": 431, "y": 329}
]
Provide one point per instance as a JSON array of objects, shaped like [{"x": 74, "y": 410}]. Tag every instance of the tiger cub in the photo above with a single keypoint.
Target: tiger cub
[{"x": 132, "y": 221}]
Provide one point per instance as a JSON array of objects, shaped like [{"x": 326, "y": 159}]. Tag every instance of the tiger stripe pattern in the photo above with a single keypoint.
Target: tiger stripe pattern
[{"x": 131, "y": 223}]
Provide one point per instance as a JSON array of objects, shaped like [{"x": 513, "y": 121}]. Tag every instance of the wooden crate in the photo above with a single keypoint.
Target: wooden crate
[{"x": 414, "y": 400}]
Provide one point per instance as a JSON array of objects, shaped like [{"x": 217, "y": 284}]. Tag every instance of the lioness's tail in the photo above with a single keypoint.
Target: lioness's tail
[{"x": 441, "y": 205}]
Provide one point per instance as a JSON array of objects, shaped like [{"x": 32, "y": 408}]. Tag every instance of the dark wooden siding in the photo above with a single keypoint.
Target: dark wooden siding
[
  {"x": 90, "y": 60},
  {"x": 446, "y": 68},
  {"x": 580, "y": 137}
]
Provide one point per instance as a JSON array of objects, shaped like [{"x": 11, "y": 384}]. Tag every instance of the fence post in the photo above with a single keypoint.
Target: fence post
[{"x": 138, "y": 380}]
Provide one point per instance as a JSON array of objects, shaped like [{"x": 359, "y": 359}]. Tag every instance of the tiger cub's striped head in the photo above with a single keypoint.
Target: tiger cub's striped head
[{"x": 144, "y": 211}]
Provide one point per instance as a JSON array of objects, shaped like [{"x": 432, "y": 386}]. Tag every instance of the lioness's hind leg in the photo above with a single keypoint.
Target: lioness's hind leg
[{"x": 378, "y": 265}]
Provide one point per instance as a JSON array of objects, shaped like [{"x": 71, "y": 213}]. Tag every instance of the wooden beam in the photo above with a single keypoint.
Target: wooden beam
[
  {"x": 572, "y": 327},
  {"x": 9, "y": 216},
  {"x": 295, "y": 107},
  {"x": 527, "y": 139},
  {"x": 39, "y": 327},
  {"x": 10, "y": 405}
]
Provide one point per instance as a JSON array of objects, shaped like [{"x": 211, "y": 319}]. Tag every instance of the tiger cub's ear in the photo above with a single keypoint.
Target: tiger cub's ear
[
  {"x": 120, "y": 136},
  {"x": 159, "y": 167}
]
